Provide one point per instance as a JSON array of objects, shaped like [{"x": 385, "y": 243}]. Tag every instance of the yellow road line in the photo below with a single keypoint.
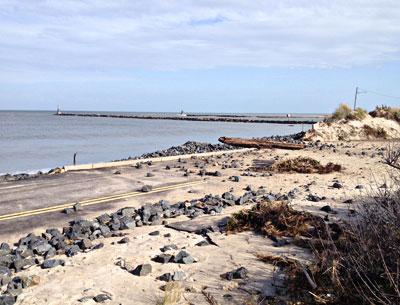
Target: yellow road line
[
  {"x": 109, "y": 198},
  {"x": 46, "y": 183},
  {"x": 12, "y": 187},
  {"x": 95, "y": 201}
]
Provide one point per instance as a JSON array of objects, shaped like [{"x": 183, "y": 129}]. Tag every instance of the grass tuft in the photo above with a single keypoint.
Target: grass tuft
[
  {"x": 172, "y": 294},
  {"x": 344, "y": 112}
]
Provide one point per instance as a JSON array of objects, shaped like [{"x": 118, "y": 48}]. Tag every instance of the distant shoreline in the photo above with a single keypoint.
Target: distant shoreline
[{"x": 279, "y": 119}]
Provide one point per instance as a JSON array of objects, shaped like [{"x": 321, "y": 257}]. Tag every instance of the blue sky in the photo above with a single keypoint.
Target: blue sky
[{"x": 209, "y": 56}]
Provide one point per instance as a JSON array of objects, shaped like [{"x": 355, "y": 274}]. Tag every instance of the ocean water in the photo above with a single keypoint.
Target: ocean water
[{"x": 38, "y": 140}]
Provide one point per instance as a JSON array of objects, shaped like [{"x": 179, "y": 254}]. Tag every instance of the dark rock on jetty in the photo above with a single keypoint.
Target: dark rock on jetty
[
  {"x": 24, "y": 176},
  {"x": 293, "y": 138},
  {"x": 205, "y": 118},
  {"x": 188, "y": 148}
]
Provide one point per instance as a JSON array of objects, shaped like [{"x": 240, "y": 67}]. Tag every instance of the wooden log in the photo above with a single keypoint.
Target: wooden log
[{"x": 256, "y": 143}]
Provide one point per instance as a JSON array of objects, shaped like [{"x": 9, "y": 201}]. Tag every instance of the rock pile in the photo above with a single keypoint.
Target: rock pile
[
  {"x": 293, "y": 138},
  {"x": 80, "y": 234},
  {"x": 24, "y": 176},
  {"x": 189, "y": 147}
]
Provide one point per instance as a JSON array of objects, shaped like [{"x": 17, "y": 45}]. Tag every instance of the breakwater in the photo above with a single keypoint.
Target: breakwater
[{"x": 200, "y": 118}]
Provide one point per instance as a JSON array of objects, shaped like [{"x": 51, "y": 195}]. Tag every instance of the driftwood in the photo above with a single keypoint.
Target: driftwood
[{"x": 256, "y": 143}]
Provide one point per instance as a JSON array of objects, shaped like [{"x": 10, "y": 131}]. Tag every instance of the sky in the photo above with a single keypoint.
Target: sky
[{"x": 265, "y": 56}]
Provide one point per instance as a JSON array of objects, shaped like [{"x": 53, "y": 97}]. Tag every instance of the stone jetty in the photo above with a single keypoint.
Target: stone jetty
[{"x": 204, "y": 118}]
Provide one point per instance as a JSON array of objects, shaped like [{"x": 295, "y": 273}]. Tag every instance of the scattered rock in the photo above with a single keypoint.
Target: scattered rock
[
  {"x": 142, "y": 270},
  {"x": 124, "y": 240},
  {"x": 176, "y": 276},
  {"x": 147, "y": 188},
  {"x": 77, "y": 207},
  {"x": 163, "y": 258},
  {"x": 337, "y": 185},
  {"x": 183, "y": 258},
  {"x": 203, "y": 243},
  {"x": 327, "y": 209},
  {"x": 240, "y": 273},
  {"x": 169, "y": 247},
  {"x": 68, "y": 211},
  {"x": 85, "y": 299},
  {"x": 101, "y": 298},
  {"x": 315, "y": 198},
  {"x": 235, "y": 178}
]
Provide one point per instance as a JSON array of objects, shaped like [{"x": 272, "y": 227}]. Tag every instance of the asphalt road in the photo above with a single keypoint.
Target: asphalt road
[{"x": 29, "y": 204}]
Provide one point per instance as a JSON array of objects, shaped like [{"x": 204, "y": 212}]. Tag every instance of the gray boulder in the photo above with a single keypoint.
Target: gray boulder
[
  {"x": 163, "y": 258},
  {"x": 183, "y": 258},
  {"x": 51, "y": 263},
  {"x": 142, "y": 270}
]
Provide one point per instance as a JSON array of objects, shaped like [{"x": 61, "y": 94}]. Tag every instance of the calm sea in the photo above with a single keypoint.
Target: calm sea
[{"x": 38, "y": 140}]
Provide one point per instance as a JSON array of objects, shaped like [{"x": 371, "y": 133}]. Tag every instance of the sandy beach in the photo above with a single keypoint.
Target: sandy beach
[{"x": 108, "y": 270}]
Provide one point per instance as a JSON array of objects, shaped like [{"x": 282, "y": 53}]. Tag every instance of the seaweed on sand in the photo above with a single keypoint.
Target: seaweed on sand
[{"x": 305, "y": 165}]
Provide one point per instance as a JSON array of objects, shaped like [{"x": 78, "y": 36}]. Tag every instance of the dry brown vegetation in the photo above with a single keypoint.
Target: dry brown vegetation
[
  {"x": 357, "y": 262},
  {"x": 376, "y": 133},
  {"x": 172, "y": 294},
  {"x": 305, "y": 165},
  {"x": 344, "y": 112},
  {"x": 276, "y": 219},
  {"x": 392, "y": 157},
  {"x": 386, "y": 112},
  {"x": 276, "y": 260}
]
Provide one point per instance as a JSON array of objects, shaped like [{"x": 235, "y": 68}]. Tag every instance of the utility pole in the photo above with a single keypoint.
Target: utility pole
[{"x": 355, "y": 99}]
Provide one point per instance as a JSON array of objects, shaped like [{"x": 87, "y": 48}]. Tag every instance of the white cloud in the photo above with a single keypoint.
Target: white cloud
[{"x": 53, "y": 38}]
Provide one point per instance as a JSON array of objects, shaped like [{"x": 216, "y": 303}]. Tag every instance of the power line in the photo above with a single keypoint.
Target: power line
[
  {"x": 358, "y": 91},
  {"x": 380, "y": 94}
]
